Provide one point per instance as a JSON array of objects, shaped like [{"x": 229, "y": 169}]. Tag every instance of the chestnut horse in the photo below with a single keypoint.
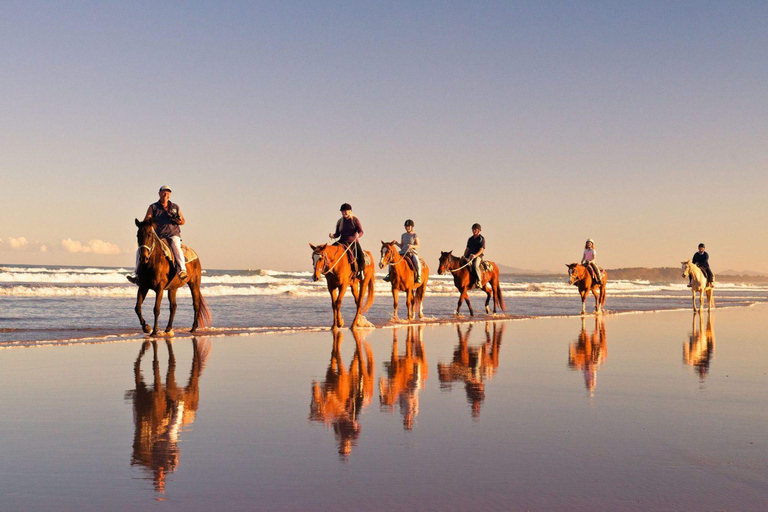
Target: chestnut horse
[
  {"x": 461, "y": 278},
  {"x": 332, "y": 262},
  {"x": 698, "y": 284},
  {"x": 579, "y": 275},
  {"x": 156, "y": 273},
  {"x": 402, "y": 278}
]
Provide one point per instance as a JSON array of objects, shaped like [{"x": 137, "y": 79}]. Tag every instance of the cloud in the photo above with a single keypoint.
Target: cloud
[
  {"x": 92, "y": 246},
  {"x": 17, "y": 243},
  {"x": 43, "y": 248}
]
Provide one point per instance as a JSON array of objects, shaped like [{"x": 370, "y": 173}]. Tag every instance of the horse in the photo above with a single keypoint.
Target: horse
[
  {"x": 461, "y": 277},
  {"x": 403, "y": 279},
  {"x": 331, "y": 261},
  {"x": 579, "y": 275},
  {"x": 156, "y": 273},
  {"x": 698, "y": 284}
]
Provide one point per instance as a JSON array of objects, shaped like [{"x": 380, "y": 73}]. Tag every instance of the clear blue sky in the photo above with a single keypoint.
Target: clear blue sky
[{"x": 643, "y": 125}]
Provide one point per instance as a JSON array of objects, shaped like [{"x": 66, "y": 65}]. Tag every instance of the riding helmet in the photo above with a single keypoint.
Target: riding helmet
[
  {"x": 409, "y": 222},
  {"x": 345, "y": 207}
]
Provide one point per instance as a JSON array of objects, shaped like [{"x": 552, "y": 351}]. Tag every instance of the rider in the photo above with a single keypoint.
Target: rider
[
  {"x": 348, "y": 231},
  {"x": 588, "y": 260},
  {"x": 474, "y": 253},
  {"x": 409, "y": 244},
  {"x": 167, "y": 218},
  {"x": 701, "y": 260}
]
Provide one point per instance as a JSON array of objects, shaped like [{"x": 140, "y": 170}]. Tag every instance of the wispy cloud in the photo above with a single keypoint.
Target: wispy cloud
[{"x": 91, "y": 246}]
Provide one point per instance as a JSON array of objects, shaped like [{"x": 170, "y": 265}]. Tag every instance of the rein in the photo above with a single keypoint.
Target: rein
[
  {"x": 325, "y": 258},
  {"x": 393, "y": 263},
  {"x": 461, "y": 267},
  {"x": 155, "y": 238}
]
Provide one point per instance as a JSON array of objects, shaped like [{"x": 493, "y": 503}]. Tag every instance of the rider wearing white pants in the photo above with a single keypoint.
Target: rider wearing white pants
[{"x": 167, "y": 218}]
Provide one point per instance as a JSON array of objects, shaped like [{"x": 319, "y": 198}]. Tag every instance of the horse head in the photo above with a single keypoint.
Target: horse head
[
  {"x": 686, "y": 268},
  {"x": 388, "y": 252},
  {"x": 445, "y": 258},
  {"x": 146, "y": 239},
  {"x": 318, "y": 257},
  {"x": 573, "y": 275}
]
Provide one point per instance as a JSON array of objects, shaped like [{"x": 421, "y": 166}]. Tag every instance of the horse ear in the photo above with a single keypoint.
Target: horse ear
[
  {"x": 383, "y": 242},
  {"x": 312, "y": 247},
  {"x": 138, "y": 224}
]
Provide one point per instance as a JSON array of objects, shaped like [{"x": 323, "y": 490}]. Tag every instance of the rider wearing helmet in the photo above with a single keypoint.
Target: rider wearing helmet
[
  {"x": 701, "y": 260},
  {"x": 588, "y": 260},
  {"x": 409, "y": 245},
  {"x": 348, "y": 231},
  {"x": 474, "y": 253}
]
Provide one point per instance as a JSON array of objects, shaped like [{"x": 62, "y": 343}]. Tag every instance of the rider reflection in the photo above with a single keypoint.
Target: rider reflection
[
  {"x": 473, "y": 365},
  {"x": 589, "y": 352},
  {"x": 161, "y": 411},
  {"x": 405, "y": 376},
  {"x": 700, "y": 348},
  {"x": 343, "y": 395}
]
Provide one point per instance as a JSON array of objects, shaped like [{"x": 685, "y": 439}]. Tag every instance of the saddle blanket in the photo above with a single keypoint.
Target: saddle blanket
[{"x": 189, "y": 254}]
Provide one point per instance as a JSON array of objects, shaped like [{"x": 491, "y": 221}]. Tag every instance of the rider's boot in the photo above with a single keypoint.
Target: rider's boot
[
  {"x": 388, "y": 277},
  {"x": 133, "y": 278},
  {"x": 183, "y": 276}
]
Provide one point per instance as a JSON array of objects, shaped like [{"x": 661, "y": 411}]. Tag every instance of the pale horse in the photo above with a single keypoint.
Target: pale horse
[{"x": 698, "y": 284}]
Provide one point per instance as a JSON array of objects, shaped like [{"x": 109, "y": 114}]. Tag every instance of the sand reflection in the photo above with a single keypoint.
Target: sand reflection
[
  {"x": 160, "y": 411},
  {"x": 405, "y": 376},
  {"x": 473, "y": 365},
  {"x": 589, "y": 352},
  {"x": 700, "y": 348},
  {"x": 340, "y": 398}
]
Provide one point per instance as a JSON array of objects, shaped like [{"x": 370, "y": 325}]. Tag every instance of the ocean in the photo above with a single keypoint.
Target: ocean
[{"x": 62, "y": 305}]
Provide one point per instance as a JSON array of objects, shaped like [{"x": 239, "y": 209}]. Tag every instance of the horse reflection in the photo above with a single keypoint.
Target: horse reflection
[
  {"x": 700, "y": 348},
  {"x": 473, "y": 365},
  {"x": 342, "y": 396},
  {"x": 161, "y": 411},
  {"x": 405, "y": 376},
  {"x": 589, "y": 352}
]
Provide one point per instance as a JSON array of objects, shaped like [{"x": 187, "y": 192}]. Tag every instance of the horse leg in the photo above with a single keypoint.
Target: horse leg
[
  {"x": 420, "y": 299},
  {"x": 395, "y": 294},
  {"x": 338, "y": 322},
  {"x": 357, "y": 293},
  {"x": 196, "y": 303},
  {"x": 172, "y": 305},
  {"x": 584, "y": 302},
  {"x": 597, "y": 299},
  {"x": 140, "y": 296},
  {"x": 156, "y": 310},
  {"x": 409, "y": 298},
  {"x": 488, "y": 291},
  {"x": 469, "y": 306}
]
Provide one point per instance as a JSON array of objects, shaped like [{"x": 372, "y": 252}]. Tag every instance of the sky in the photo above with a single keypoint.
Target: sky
[{"x": 642, "y": 125}]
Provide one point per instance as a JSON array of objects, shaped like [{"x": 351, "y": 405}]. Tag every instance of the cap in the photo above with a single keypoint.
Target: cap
[
  {"x": 165, "y": 187},
  {"x": 345, "y": 207},
  {"x": 701, "y": 246},
  {"x": 590, "y": 240}
]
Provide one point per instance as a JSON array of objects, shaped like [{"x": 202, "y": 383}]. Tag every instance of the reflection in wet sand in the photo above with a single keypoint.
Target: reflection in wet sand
[
  {"x": 405, "y": 376},
  {"x": 160, "y": 411},
  {"x": 589, "y": 352},
  {"x": 473, "y": 365},
  {"x": 341, "y": 397},
  {"x": 700, "y": 348}
]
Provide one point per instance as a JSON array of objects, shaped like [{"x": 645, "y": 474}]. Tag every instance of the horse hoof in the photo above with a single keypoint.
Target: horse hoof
[
  {"x": 145, "y": 328},
  {"x": 169, "y": 333},
  {"x": 487, "y": 310},
  {"x": 153, "y": 334}
]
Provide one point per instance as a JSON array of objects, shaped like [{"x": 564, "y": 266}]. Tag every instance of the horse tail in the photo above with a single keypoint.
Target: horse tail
[
  {"x": 370, "y": 296},
  {"x": 203, "y": 313}
]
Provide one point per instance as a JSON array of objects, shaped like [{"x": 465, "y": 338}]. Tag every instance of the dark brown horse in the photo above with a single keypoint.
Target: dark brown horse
[
  {"x": 156, "y": 273},
  {"x": 461, "y": 278},
  {"x": 579, "y": 275},
  {"x": 402, "y": 278},
  {"x": 332, "y": 262}
]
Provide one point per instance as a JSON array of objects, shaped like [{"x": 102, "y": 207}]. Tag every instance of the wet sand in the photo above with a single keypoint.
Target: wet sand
[{"x": 652, "y": 411}]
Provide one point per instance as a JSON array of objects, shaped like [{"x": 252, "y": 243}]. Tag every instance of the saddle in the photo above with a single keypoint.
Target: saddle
[
  {"x": 486, "y": 266},
  {"x": 189, "y": 254}
]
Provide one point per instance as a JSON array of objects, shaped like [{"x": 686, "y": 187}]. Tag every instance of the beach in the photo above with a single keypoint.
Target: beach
[{"x": 647, "y": 411}]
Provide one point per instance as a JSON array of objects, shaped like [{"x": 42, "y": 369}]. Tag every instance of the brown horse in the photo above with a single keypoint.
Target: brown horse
[
  {"x": 402, "y": 278},
  {"x": 332, "y": 262},
  {"x": 461, "y": 278},
  {"x": 580, "y": 276},
  {"x": 156, "y": 273}
]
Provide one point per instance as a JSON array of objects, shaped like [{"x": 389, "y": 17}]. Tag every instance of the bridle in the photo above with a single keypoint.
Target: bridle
[
  {"x": 390, "y": 250},
  {"x": 151, "y": 249}
]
